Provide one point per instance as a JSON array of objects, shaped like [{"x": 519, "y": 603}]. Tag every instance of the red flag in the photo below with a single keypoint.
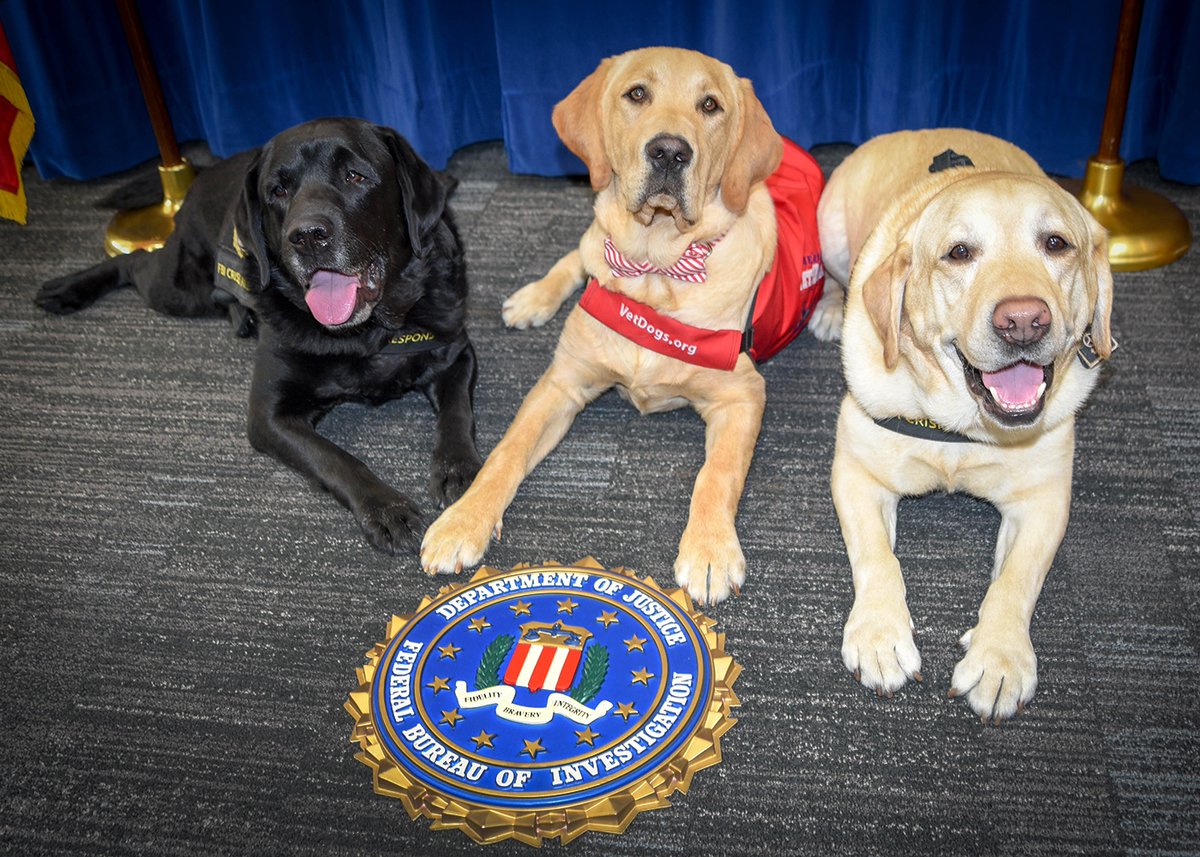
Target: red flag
[{"x": 16, "y": 130}]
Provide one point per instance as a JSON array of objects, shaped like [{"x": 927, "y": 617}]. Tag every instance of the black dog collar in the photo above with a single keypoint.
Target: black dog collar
[
  {"x": 923, "y": 429},
  {"x": 412, "y": 340}
]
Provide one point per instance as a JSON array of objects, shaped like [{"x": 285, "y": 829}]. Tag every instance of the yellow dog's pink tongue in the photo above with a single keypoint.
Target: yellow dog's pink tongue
[
  {"x": 1017, "y": 385},
  {"x": 332, "y": 297}
]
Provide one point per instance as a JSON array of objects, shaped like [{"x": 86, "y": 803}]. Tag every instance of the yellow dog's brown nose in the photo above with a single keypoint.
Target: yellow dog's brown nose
[
  {"x": 1021, "y": 321},
  {"x": 668, "y": 153}
]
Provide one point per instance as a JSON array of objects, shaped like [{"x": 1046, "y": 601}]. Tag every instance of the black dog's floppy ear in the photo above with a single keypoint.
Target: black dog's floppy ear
[
  {"x": 247, "y": 221},
  {"x": 449, "y": 182},
  {"x": 424, "y": 194}
]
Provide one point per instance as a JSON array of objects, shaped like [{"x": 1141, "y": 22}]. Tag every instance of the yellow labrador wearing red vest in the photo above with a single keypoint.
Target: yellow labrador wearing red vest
[
  {"x": 720, "y": 145},
  {"x": 970, "y": 292}
]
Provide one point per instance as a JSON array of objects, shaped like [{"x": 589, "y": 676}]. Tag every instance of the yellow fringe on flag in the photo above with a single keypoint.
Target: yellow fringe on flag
[{"x": 13, "y": 205}]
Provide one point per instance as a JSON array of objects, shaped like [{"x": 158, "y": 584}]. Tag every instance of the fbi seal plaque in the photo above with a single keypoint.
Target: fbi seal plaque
[{"x": 543, "y": 702}]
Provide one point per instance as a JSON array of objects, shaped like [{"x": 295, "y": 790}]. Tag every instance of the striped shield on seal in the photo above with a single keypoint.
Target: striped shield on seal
[{"x": 547, "y": 657}]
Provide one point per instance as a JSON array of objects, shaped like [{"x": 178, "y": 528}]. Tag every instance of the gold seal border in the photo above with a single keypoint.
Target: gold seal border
[{"x": 611, "y": 813}]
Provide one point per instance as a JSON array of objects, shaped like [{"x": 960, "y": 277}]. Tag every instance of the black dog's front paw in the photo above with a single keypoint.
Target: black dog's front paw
[
  {"x": 392, "y": 523},
  {"x": 62, "y": 296},
  {"x": 453, "y": 474}
]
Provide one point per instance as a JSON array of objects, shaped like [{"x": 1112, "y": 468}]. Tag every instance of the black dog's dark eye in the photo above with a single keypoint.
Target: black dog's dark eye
[
  {"x": 1057, "y": 244},
  {"x": 959, "y": 253},
  {"x": 279, "y": 191},
  {"x": 637, "y": 94},
  {"x": 353, "y": 177},
  {"x": 710, "y": 105}
]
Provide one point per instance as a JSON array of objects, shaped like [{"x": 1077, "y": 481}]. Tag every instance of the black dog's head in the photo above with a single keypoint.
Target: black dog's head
[{"x": 337, "y": 209}]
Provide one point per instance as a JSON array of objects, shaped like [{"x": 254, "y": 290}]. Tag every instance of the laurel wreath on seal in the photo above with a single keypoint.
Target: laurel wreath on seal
[
  {"x": 488, "y": 674},
  {"x": 595, "y": 669}
]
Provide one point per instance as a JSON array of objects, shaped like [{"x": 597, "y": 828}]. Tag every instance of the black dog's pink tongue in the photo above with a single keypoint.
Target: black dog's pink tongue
[{"x": 332, "y": 297}]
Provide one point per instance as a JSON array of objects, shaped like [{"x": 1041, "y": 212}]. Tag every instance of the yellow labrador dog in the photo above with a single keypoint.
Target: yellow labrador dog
[
  {"x": 976, "y": 313},
  {"x": 677, "y": 148}
]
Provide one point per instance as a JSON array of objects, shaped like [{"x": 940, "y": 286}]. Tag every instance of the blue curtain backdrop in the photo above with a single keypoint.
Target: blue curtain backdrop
[
  {"x": 236, "y": 72},
  {"x": 450, "y": 73}
]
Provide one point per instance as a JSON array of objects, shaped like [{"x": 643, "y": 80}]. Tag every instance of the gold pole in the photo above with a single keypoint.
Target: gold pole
[
  {"x": 1145, "y": 229},
  {"x": 147, "y": 228}
]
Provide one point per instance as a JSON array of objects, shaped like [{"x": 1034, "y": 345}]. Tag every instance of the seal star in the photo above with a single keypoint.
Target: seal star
[
  {"x": 634, "y": 642},
  {"x": 625, "y": 709},
  {"x": 439, "y": 684},
  {"x": 533, "y": 748},
  {"x": 642, "y": 676},
  {"x": 449, "y": 651},
  {"x": 567, "y": 606},
  {"x": 479, "y": 623},
  {"x": 451, "y": 717},
  {"x": 521, "y": 608},
  {"x": 587, "y": 736},
  {"x": 608, "y": 617},
  {"x": 483, "y": 739}
]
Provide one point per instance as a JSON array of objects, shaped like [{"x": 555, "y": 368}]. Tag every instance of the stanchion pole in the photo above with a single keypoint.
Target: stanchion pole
[
  {"x": 147, "y": 228},
  {"x": 1145, "y": 229}
]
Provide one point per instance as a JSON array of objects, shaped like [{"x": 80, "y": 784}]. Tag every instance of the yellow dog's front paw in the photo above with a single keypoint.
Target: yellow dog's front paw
[
  {"x": 456, "y": 540},
  {"x": 826, "y": 321},
  {"x": 998, "y": 674},
  {"x": 710, "y": 569},
  {"x": 878, "y": 646},
  {"x": 530, "y": 306}
]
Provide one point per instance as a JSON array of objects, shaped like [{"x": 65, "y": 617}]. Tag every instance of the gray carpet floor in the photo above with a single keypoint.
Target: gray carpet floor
[{"x": 181, "y": 618}]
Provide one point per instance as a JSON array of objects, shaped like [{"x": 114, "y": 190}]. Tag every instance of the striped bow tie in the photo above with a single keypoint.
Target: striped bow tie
[{"x": 689, "y": 268}]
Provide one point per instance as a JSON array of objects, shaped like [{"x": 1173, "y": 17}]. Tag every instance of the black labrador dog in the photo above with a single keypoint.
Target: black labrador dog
[{"x": 334, "y": 244}]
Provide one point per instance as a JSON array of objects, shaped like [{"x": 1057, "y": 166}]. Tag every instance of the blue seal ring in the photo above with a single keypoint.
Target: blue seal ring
[{"x": 541, "y": 688}]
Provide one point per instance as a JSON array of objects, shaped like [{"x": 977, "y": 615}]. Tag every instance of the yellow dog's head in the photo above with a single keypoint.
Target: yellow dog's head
[
  {"x": 669, "y": 129},
  {"x": 995, "y": 281}
]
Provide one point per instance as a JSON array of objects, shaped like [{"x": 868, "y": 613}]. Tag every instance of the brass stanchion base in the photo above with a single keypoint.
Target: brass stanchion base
[
  {"x": 147, "y": 228},
  {"x": 1145, "y": 229}
]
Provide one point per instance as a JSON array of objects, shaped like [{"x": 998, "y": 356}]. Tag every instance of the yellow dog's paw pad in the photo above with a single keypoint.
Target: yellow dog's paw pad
[
  {"x": 528, "y": 307},
  {"x": 710, "y": 575},
  {"x": 878, "y": 648},
  {"x": 453, "y": 542},
  {"x": 826, "y": 321},
  {"x": 997, "y": 676}
]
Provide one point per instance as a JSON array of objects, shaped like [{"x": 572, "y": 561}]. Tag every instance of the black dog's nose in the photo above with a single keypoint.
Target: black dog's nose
[
  {"x": 310, "y": 235},
  {"x": 666, "y": 152}
]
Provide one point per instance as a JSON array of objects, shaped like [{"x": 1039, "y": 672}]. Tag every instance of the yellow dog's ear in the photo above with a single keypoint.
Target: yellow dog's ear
[
  {"x": 577, "y": 120},
  {"x": 883, "y": 296},
  {"x": 756, "y": 153},
  {"x": 1098, "y": 277}
]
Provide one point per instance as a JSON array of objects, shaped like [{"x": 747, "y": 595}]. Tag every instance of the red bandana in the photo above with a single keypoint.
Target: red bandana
[
  {"x": 645, "y": 326},
  {"x": 690, "y": 267}
]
